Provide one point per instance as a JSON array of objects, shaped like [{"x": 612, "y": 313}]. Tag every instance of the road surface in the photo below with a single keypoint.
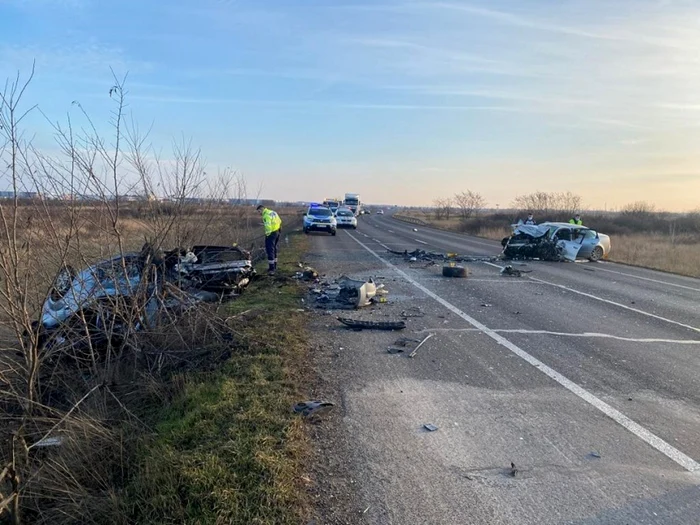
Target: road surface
[{"x": 585, "y": 376}]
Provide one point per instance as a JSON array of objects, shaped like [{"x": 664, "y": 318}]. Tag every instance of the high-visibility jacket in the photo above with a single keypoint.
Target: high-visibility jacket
[
  {"x": 574, "y": 221},
  {"x": 271, "y": 221}
]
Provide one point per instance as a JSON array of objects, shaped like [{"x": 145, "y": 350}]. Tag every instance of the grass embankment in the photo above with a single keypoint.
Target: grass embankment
[{"x": 228, "y": 449}]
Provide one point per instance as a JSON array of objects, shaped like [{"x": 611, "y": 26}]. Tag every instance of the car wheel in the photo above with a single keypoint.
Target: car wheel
[
  {"x": 333, "y": 233},
  {"x": 454, "y": 271},
  {"x": 596, "y": 254},
  {"x": 354, "y": 227}
]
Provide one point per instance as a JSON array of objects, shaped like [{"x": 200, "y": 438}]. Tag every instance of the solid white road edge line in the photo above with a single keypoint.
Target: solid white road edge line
[
  {"x": 648, "y": 279},
  {"x": 642, "y": 433},
  {"x": 591, "y": 296}
]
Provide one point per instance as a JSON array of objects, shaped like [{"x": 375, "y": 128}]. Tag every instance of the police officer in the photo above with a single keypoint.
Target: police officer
[
  {"x": 272, "y": 224},
  {"x": 576, "y": 220}
]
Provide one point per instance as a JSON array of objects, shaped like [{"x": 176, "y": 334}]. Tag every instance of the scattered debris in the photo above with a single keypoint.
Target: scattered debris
[
  {"x": 308, "y": 273},
  {"x": 312, "y": 408},
  {"x": 486, "y": 305},
  {"x": 594, "y": 455},
  {"x": 413, "y": 354},
  {"x": 372, "y": 325},
  {"x": 347, "y": 293},
  {"x": 509, "y": 271},
  {"x": 454, "y": 271},
  {"x": 430, "y": 427},
  {"x": 394, "y": 350},
  {"x": 413, "y": 311},
  {"x": 513, "y": 471},
  {"x": 403, "y": 341},
  {"x": 422, "y": 255},
  {"x": 415, "y": 229}
]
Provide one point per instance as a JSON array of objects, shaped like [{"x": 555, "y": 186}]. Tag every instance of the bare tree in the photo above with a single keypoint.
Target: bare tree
[
  {"x": 443, "y": 208},
  {"x": 545, "y": 203},
  {"x": 469, "y": 203}
]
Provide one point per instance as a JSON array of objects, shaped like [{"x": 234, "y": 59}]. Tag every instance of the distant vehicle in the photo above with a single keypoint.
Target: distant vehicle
[
  {"x": 320, "y": 218},
  {"x": 333, "y": 204},
  {"x": 556, "y": 241},
  {"x": 346, "y": 218},
  {"x": 352, "y": 201},
  {"x": 380, "y": 212}
]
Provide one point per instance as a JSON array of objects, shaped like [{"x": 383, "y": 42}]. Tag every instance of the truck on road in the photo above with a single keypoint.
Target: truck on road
[{"x": 352, "y": 201}]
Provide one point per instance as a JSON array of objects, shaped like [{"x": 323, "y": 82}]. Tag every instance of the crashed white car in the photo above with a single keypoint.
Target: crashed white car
[{"x": 556, "y": 241}]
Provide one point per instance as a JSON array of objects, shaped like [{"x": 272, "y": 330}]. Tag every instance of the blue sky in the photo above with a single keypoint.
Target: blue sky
[{"x": 402, "y": 101}]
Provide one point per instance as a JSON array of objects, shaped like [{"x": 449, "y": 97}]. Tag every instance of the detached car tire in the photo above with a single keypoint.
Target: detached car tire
[{"x": 454, "y": 271}]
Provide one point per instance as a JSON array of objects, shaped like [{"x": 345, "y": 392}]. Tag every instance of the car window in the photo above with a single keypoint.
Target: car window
[
  {"x": 320, "y": 212},
  {"x": 589, "y": 234},
  {"x": 344, "y": 213},
  {"x": 564, "y": 234}
]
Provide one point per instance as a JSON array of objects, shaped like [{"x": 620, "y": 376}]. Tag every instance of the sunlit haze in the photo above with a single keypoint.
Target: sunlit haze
[{"x": 402, "y": 102}]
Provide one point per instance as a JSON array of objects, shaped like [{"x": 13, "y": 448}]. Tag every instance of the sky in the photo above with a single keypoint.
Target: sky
[{"x": 401, "y": 101}]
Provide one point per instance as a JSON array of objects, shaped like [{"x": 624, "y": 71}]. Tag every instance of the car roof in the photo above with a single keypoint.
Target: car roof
[{"x": 564, "y": 224}]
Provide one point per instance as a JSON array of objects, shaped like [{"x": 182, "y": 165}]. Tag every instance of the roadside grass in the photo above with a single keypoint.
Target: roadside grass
[
  {"x": 228, "y": 449},
  {"x": 657, "y": 252}
]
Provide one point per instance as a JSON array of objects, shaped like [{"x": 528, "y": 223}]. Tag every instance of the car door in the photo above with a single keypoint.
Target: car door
[{"x": 589, "y": 240}]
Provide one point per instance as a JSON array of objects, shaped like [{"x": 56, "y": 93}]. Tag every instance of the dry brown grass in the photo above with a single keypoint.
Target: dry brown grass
[{"x": 657, "y": 252}]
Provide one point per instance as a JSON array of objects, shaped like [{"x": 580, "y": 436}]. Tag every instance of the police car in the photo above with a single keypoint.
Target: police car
[{"x": 320, "y": 218}]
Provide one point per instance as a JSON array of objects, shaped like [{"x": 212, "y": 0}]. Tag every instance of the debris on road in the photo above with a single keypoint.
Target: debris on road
[
  {"x": 394, "y": 350},
  {"x": 312, "y": 408},
  {"x": 347, "y": 293},
  {"x": 372, "y": 325},
  {"x": 509, "y": 271},
  {"x": 513, "y": 471},
  {"x": 454, "y": 271},
  {"x": 430, "y": 427},
  {"x": 594, "y": 455},
  {"x": 413, "y": 311},
  {"x": 486, "y": 305},
  {"x": 403, "y": 341},
  {"x": 422, "y": 255},
  {"x": 413, "y": 354}
]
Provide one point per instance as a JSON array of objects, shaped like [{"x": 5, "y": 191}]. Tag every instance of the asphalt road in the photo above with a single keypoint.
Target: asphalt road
[{"x": 585, "y": 376}]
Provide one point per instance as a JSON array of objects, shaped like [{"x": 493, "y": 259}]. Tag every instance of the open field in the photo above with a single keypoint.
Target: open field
[{"x": 667, "y": 251}]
